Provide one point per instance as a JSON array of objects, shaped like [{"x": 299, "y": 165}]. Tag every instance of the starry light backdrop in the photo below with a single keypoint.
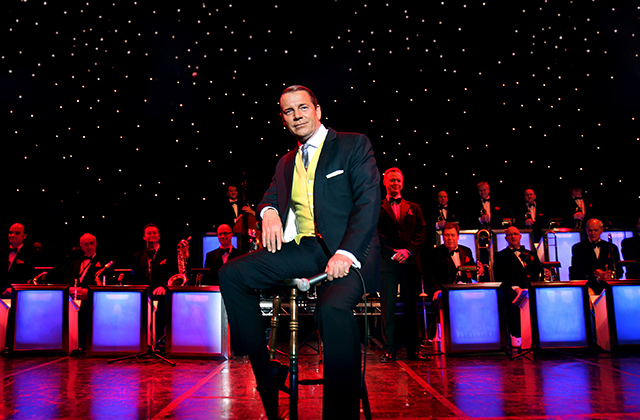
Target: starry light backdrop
[{"x": 119, "y": 113}]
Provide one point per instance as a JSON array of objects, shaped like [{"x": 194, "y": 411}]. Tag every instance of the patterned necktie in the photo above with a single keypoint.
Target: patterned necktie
[{"x": 305, "y": 155}]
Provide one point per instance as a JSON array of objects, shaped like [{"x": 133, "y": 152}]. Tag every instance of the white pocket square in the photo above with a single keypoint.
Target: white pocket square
[{"x": 335, "y": 173}]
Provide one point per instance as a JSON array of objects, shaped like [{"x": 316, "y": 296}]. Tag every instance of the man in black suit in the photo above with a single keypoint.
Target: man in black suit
[
  {"x": 402, "y": 231},
  {"x": 592, "y": 259},
  {"x": 631, "y": 251},
  {"x": 530, "y": 215},
  {"x": 515, "y": 267},
  {"x": 318, "y": 215},
  {"x": 232, "y": 208},
  {"x": 576, "y": 209},
  {"x": 216, "y": 258},
  {"x": 19, "y": 260},
  {"x": 488, "y": 214},
  {"x": 154, "y": 266},
  {"x": 443, "y": 212},
  {"x": 83, "y": 270}
]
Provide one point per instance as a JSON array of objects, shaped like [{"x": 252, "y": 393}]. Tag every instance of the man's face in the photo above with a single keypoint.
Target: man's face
[
  {"x": 16, "y": 235},
  {"x": 576, "y": 192},
  {"x": 450, "y": 237},
  {"x": 594, "y": 231},
  {"x": 151, "y": 234},
  {"x": 483, "y": 191},
  {"x": 88, "y": 245},
  {"x": 443, "y": 198},
  {"x": 299, "y": 115},
  {"x": 513, "y": 237},
  {"x": 529, "y": 196},
  {"x": 393, "y": 182},
  {"x": 232, "y": 192},
  {"x": 224, "y": 236}
]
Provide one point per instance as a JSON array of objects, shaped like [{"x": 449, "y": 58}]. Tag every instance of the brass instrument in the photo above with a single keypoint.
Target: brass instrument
[
  {"x": 180, "y": 279},
  {"x": 99, "y": 273},
  {"x": 37, "y": 278}
]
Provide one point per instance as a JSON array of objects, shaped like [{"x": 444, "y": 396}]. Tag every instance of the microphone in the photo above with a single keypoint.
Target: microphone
[{"x": 305, "y": 284}]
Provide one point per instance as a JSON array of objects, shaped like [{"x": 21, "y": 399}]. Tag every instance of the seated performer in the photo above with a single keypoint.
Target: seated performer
[
  {"x": 631, "y": 251},
  {"x": 216, "y": 258},
  {"x": 593, "y": 259},
  {"x": 515, "y": 267},
  {"x": 19, "y": 260},
  {"x": 154, "y": 266},
  {"x": 83, "y": 270},
  {"x": 402, "y": 232},
  {"x": 318, "y": 215}
]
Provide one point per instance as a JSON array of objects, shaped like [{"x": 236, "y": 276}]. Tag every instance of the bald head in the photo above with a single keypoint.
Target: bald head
[
  {"x": 16, "y": 235},
  {"x": 513, "y": 237},
  {"x": 88, "y": 244}
]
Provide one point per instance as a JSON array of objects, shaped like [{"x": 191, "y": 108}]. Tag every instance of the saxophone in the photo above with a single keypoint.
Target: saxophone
[
  {"x": 180, "y": 279},
  {"x": 99, "y": 273}
]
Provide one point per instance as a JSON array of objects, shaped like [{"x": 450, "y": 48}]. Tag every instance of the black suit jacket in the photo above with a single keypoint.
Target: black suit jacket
[
  {"x": 346, "y": 193},
  {"x": 73, "y": 271},
  {"x": 509, "y": 271},
  {"x": 442, "y": 269},
  {"x": 434, "y": 215},
  {"x": 408, "y": 233},
  {"x": 213, "y": 261},
  {"x": 163, "y": 266},
  {"x": 496, "y": 214},
  {"x": 631, "y": 251},
  {"x": 569, "y": 208},
  {"x": 522, "y": 213},
  {"x": 21, "y": 269},
  {"x": 584, "y": 263}
]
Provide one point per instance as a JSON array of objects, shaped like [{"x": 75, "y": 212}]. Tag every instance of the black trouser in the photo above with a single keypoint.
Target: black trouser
[
  {"x": 388, "y": 297},
  {"x": 339, "y": 331}
]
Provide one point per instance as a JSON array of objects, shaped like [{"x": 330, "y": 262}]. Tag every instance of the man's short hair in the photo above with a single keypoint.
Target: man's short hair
[
  {"x": 388, "y": 171},
  {"x": 299, "y": 88},
  {"x": 597, "y": 222},
  {"x": 451, "y": 225},
  {"x": 482, "y": 183},
  {"x": 148, "y": 225}
]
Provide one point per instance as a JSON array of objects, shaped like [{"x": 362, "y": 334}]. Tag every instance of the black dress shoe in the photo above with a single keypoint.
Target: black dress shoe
[
  {"x": 417, "y": 356},
  {"x": 270, "y": 387},
  {"x": 387, "y": 357}
]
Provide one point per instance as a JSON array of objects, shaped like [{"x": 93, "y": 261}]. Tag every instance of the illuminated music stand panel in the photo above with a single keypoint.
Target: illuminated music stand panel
[
  {"x": 501, "y": 239},
  {"x": 560, "y": 315},
  {"x": 623, "y": 312},
  {"x": 473, "y": 318},
  {"x": 566, "y": 238},
  {"x": 39, "y": 319},
  {"x": 118, "y": 321},
  {"x": 197, "y": 325}
]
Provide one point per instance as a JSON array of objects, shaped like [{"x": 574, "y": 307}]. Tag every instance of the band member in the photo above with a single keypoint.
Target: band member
[
  {"x": 402, "y": 233},
  {"x": 153, "y": 266},
  {"x": 576, "y": 210},
  {"x": 18, "y": 257},
  {"x": 594, "y": 259},
  {"x": 631, "y": 251},
  {"x": 515, "y": 267},
  {"x": 488, "y": 212},
  {"x": 83, "y": 270},
  {"x": 318, "y": 215},
  {"x": 233, "y": 208},
  {"x": 226, "y": 252},
  {"x": 443, "y": 211}
]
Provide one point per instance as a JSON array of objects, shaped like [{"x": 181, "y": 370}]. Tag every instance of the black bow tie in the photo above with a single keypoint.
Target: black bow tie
[
  {"x": 454, "y": 251},
  {"x": 225, "y": 250},
  {"x": 595, "y": 245},
  {"x": 531, "y": 205},
  {"x": 395, "y": 200},
  {"x": 88, "y": 258},
  {"x": 443, "y": 207},
  {"x": 12, "y": 250},
  {"x": 485, "y": 200},
  {"x": 514, "y": 250},
  {"x": 577, "y": 198},
  {"x": 233, "y": 201}
]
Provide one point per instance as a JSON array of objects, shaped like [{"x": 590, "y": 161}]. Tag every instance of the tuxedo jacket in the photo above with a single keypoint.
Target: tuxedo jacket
[
  {"x": 213, "y": 261},
  {"x": 496, "y": 214},
  {"x": 509, "y": 271},
  {"x": 631, "y": 251},
  {"x": 73, "y": 271},
  {"x": 21, "y": 269},
  {"x": 569, "y": 208},
  {"x": 225, "y": 213},
  {"x": 346, "y": 193},
  {"x": 408, "y": 233},
  {"x": 434, "y": 214},
  {"x": 163, "y": 266},
  {"x": 584, "y": 263},
  {"x": 441, "y": 268}
]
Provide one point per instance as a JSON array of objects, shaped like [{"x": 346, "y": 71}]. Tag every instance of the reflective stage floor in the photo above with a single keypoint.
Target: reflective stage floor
[{"x": 541, "y": 386}]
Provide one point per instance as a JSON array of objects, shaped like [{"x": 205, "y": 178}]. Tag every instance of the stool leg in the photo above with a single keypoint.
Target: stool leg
[
  {"x": 293, "y": 355},
  {"x": 275, "y": 321}
]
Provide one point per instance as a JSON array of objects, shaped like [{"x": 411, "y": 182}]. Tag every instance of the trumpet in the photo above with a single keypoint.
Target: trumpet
[
  {"x": 99, "y": 273},
  {"x": 180, "y": 279},
  {"x": 37, "y": 278}
]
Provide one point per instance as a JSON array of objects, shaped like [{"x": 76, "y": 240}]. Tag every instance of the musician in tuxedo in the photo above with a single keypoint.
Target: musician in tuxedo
[
  {"x": 84, "y": 269},
  {"x": 154, "y": 266},
  {"x": 631, "y": 251},
  {"x": 402, "y": 232},
  {"x": 530, "y": 215},
  {"x": 592, "y": 259},
  {"x": 488, "y": 214},
  {"x": 216, "y": 258},
  {"x": 18, "y": 260},
  {"x": 576, "y": 209},
  {"x": 233, "y": 207},
  {"x": 318, "y": 215},
  {"x": 442, "y": 211},
  {"x": 515, "y": 267}
]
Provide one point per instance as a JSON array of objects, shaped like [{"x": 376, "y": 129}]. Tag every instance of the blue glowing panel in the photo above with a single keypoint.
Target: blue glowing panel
[
  {"x": 474, "y": 317},
  {"x": 565, "y": 241},
  {"x": 502, "y": 243},
  {"x": 116, "y": 321},
  {"x": 469, "y": 240},
  {"x": 196, "y": 322},
  {"x": 560, "y": 315},
  {"x": 210, "y": 243},
  {"x": 39, "y": 317},
  {"x": 626, "y": 304}
]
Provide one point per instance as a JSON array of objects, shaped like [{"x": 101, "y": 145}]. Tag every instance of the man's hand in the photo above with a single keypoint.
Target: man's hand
[
  {"x": 578, "y": 216},
  {"x": 603, "y": 275},
  {"x": 159, "y": 291},
  {"x": 441, "y": 224},
  {"x": 249, "y": 210},
  {"x": 480, "y": 269},
  {"x": 529, "y": 222},
  {"x": 338, "y": 267},
  {"x": 401, "y": 255},
  {"x": 272, "y": 234},
  {"x": 485, "y": 218}
]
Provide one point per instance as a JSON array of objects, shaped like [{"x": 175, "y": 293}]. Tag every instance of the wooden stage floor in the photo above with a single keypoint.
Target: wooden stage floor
[{"x": 541, "y": 386}]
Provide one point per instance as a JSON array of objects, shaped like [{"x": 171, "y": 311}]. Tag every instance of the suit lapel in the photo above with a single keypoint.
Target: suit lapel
[
  {"x": 404, "y": 209},
  {"x": 320, "y": 178},
  {"x": 387, "y": 207}
]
